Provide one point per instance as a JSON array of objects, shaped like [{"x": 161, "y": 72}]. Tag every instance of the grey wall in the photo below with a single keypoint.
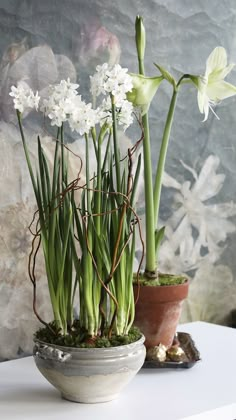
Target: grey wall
[{"x": 44, "y": 42}]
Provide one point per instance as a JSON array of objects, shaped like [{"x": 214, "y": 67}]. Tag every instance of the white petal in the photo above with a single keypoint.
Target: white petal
[
  {"x": 191, "y": 170},
  {"x": 220, "y": 74},
  {"x": 170, "y": 182},
  {"x": 215, "y": 233},
  {"x": 218, "y": 91},
  {"x": 209, "y": 183},
  {"x": 223, "y": 210},
  {"x": 217, "y": 60},
  {"x": 201, "y": 98},
  {"x": 205, "y": 107}
]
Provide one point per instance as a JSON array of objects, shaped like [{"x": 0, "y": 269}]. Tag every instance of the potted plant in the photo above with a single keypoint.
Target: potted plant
[
  {"x": 90, "y": 351},
  {"x": 160, "y": 296}
]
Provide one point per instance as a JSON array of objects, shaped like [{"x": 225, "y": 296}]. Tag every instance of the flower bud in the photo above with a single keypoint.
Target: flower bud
[{"x": 140, "y": 37}]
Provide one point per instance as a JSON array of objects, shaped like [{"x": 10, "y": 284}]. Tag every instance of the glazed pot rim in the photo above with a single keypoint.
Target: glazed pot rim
[{"x": 91, "y": 350}]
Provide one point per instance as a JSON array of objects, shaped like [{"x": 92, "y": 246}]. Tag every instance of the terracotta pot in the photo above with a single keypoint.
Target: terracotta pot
[{"x": 158, "y": 311}]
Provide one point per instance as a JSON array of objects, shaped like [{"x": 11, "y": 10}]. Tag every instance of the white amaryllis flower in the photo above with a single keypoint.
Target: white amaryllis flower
[
  {"x": 23, "y": 97},
  {"x": 59, "y": 103},
  {"x": 82, "y": 117},
  {"x": 144, "y": 90},
  {"x": 211, "y": 87},
  {"x": 113, "y": 80},
  {"x": 124, "y": 110}
]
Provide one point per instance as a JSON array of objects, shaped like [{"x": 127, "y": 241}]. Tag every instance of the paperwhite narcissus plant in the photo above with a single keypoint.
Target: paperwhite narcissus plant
[
  {"x": 211, "y": 87},
  {"x": 101, "y": 224}
]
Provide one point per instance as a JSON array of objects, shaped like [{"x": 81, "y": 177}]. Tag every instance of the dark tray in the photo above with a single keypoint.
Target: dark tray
[{"x": 191, "y": 352}]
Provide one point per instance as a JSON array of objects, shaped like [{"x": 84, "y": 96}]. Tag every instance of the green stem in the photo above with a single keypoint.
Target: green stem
[
  {"x": 116, "y": 152},
  {"x": 88, "y": 265},
  {"x": 93, "y": 133},
  {"x": 63, "y": 169},
  {"x": 88, "y": 192},
  {"x": 149, "y": 204},
  {"x": 99, "y": 186},
  {"x": 162, "y": 155},
  {"x": 98, "y": 218},
  {"x": 27, "y": 155}
]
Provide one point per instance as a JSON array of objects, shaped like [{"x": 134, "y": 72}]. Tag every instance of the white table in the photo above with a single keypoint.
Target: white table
[{"x": 206, "y": 391}]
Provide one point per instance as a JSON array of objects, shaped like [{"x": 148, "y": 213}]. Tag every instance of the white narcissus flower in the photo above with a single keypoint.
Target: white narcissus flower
[
  {"x": 63, "y": 103},
  {"x": 98, "y": 79},
  {"x": 23, "y": 97},
  {"x": 82, "y": 117},
  {"x": 125, "y": 117},
  {"x": 113, "y": 80},
  {"x": 65, "y": 89},
  {"x": 124, "y": 110},
  {"x": 211, "y": 87},
  {"x": 59, "y": 103}
]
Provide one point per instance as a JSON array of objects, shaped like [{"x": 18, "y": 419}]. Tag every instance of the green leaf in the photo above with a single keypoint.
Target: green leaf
[
  {"x": 134, "y": 189},
  {"x": 159, "y": 234},
  {"x": 47, "y": 176},
  {"x": 64, "y": 251},
  {"x": 56, "y": 169},
  {"x": 42, "y": 180},
  {"x": 104, "y": 253},
  {"x": 166, "y": 75},
  {"x": 79, "y": 225},
  {"x": 105, "y": 160}
]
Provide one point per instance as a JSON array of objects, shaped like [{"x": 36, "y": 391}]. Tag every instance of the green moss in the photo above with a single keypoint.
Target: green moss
[
  {"x": 161, "y": 280},
  {"x": 103, "y": 342},
  {"x": 79, "y": 338}
]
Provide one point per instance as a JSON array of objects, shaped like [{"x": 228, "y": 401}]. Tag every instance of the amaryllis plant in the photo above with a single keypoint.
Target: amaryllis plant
[
  {"x": 88, "y": 245},
  {"x": 211, "y": 89}
]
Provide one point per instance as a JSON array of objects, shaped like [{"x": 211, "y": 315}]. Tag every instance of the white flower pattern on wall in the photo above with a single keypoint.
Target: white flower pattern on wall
[
  {"x": 208, "y": 300},
  {"x": 17, "y": 324},
  {"x": 196, "y": 236}
]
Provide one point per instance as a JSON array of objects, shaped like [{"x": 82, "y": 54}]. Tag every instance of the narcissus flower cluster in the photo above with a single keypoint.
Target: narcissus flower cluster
[{"x": 64, "y": 104}]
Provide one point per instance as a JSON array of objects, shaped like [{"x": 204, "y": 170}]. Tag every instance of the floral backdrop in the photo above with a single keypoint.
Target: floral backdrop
[{"x": 44, "y": 42}]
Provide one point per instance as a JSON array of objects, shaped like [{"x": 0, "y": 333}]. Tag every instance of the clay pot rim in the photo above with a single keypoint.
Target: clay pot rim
[
  {"x": 167, "y": 286},
  {"x": 161, "y": 294}
]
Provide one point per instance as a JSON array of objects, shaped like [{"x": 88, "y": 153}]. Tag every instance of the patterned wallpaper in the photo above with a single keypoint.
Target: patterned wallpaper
[{"x": 44, "y": 42}]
